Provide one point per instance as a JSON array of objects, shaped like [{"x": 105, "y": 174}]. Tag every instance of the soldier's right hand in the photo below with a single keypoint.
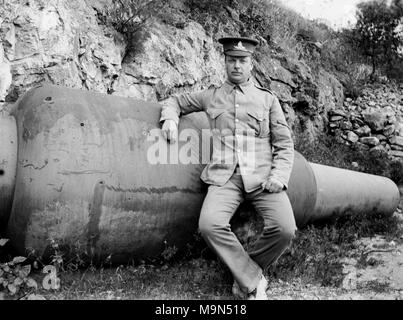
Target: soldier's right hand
[{"x": 170, "y": 130}]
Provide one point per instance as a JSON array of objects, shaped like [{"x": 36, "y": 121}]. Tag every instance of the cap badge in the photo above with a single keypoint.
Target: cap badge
[{"x": 240, "y": 46}]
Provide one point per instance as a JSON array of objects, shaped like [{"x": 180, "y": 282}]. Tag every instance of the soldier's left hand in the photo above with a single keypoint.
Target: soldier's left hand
[{"x": 273, "y": 185}]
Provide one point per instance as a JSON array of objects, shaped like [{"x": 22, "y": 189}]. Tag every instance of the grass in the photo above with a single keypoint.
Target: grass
[
  {"x": 315, "y": 254},
  {"x": 378, "y": 287},
  {"x": 326, "y": 151},
  {"x": 311, "y": 264},
  {"x": 184, "y": 280}
]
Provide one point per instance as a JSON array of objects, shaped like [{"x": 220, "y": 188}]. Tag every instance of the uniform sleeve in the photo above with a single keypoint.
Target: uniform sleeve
[
  {"x": 182, "y": 104},
  {"x": 282, "y": 144}
]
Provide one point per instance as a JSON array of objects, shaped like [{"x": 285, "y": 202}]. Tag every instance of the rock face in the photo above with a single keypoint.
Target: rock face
[
  {"x": 66, "y": 43},
  {"x": 5, "y": 75},
  {"x": 311, "y": 95},
  {"x": 63, "y": 43},
  {"x": 376, "y": 117},
  {"x": 58, "y": 42},
  {"x": 170, "y": 60}
]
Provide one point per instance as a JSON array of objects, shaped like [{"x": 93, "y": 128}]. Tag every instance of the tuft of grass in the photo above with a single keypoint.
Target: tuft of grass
[{"x": 376, "y": 286}]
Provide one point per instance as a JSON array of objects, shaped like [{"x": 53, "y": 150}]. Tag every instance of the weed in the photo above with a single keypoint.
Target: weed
[
  {"x": 169, "y": 252},
  {"x": 313, "y": 256},
  {"x": 195, "y": 248},
  {"x": 129, "y": 16},
  {"x": 376, "y": 286},
  {"x": 364, "y": 261},
  {"x": 14, "y": 276}
]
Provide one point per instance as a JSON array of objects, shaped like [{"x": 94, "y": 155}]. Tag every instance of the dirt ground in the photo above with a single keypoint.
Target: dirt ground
[
  {"x": 377, "y": 274},
  {"x": 373, "y": 271}
]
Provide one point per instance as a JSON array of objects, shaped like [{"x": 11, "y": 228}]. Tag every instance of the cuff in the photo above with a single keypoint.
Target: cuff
[
  {"x": 176, "y": 119},
  {"x": 282, "y": 180}
]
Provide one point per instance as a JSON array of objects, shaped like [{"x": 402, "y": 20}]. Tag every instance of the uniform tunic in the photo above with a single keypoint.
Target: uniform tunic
[{"x": 248, "y": 128}]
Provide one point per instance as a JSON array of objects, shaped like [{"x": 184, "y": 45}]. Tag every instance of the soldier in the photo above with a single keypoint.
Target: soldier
[{"x": 252, "y": 158}]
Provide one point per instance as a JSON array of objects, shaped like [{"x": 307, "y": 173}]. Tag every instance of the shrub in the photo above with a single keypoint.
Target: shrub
[
  {"x": 128, "y": 16},
  {"x": 327, "y": 151},
  {"x": 212, "y": 15}
]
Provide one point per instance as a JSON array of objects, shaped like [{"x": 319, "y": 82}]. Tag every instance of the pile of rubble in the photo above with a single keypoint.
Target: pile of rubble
[{"x": 373, "y": 121}]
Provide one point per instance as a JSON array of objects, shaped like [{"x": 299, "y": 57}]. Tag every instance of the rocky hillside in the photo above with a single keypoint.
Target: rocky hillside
[
  {"x": 67, "y": 43},
  {"x": 373, "y": 121},
  {"x": 70, "y": 43}
]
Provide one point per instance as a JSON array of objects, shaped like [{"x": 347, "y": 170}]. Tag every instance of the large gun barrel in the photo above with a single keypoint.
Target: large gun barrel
[{"x": 92, "y": 173}]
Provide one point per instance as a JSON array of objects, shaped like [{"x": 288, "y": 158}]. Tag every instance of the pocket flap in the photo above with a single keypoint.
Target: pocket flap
[
  {"x": 283, "y": 122},
  {"x": 258, "y": 115},
  {"x": 214, "y": 113}
]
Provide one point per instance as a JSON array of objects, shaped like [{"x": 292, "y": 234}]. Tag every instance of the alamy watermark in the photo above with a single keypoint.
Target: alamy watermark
[{"x": 202, "y": 147}]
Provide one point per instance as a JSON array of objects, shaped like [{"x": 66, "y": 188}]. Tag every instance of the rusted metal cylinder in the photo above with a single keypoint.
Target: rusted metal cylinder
[
  {"x": 320, "y": 192},
  {"x": 8, "y": 166},
  {"x": 84, "y": 178},
  {"x": 342, "y": 192}
]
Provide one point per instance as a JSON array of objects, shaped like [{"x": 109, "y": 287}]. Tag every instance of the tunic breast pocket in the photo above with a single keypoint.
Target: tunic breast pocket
[
  {"x": 259, "y": 121},
  {"x": 218, "y": 119}
]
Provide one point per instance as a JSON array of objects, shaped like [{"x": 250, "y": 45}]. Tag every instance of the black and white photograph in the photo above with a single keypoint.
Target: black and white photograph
[{"x": 197, "y": 155}]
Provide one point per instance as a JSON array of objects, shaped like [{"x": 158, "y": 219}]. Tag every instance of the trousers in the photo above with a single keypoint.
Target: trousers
[{"x": 219, "y": 206}]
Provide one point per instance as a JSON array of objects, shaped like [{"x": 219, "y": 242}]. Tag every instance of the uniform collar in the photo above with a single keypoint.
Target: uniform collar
[{"x": 230, "y": 87}]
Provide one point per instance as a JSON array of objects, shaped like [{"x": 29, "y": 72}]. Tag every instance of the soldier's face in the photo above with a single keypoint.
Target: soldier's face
[{"x": 238, "y": 68}]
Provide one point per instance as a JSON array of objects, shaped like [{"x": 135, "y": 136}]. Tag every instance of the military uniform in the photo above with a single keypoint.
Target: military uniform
[
  {"x": 248, "y": 128},
  {"x": 251, "y": 143}
]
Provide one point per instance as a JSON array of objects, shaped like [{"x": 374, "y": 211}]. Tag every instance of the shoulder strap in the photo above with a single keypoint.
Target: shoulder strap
[
  {"x": 214, "y": 86},
  {"x": 264, "y": 89}
]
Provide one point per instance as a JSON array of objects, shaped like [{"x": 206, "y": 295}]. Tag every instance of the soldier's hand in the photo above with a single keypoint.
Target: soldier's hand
[
  {"x": 273, "y": 185},
  {"x": 170, "y": 130}
]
